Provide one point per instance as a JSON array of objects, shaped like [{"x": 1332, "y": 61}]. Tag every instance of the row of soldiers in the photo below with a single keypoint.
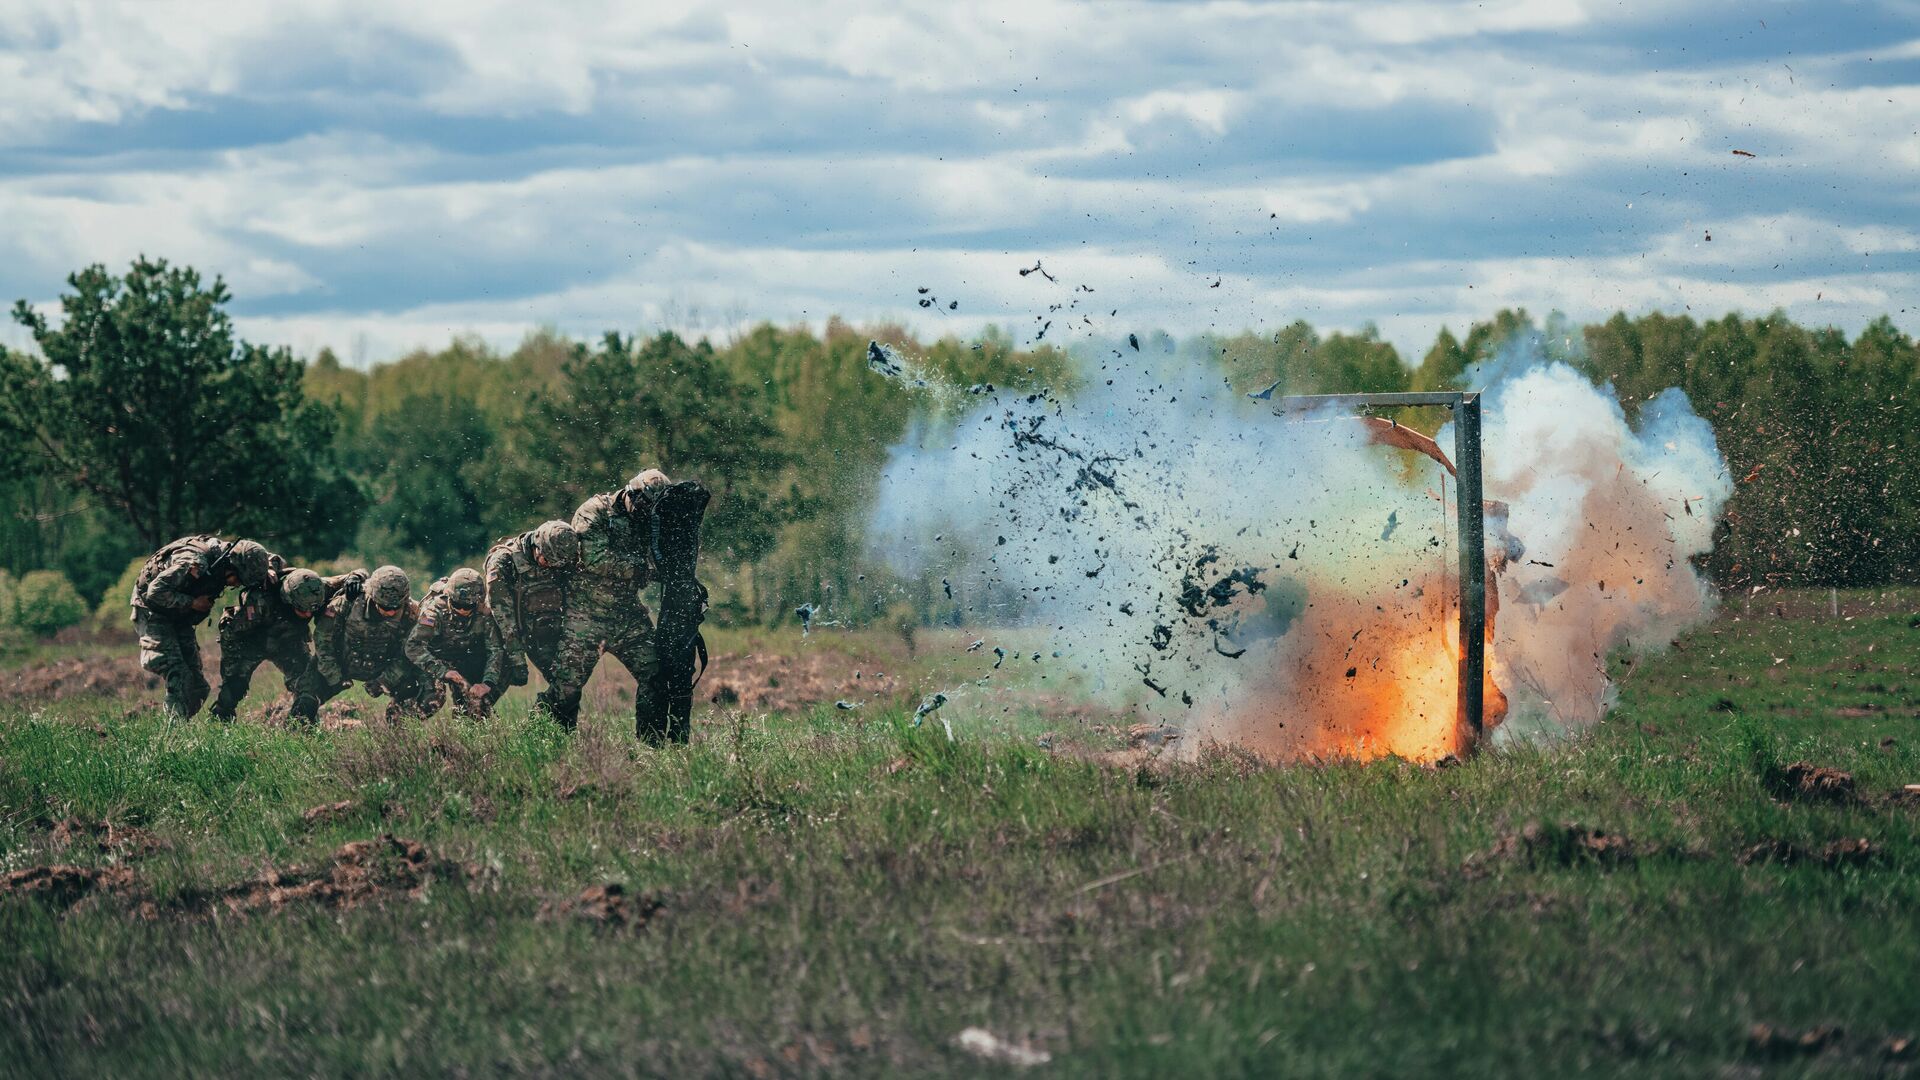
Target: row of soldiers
[{"x": 557, "y": 596}]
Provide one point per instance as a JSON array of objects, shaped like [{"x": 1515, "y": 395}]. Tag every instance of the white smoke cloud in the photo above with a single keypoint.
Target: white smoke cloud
[{"x": 1286, "y": 583}]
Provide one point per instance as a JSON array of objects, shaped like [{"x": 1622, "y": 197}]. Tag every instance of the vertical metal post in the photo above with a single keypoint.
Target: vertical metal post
[{"x": 1473, "y": 564}]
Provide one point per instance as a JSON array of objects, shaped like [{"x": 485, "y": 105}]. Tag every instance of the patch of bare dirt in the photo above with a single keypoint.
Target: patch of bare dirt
[
  {"x": 608, "y": 905},
  {"x": 1779, "y": 1042},
  {"x": 105, "y": 836},
  {"x": 1818, "y": 783},
  {"x": 112, "y": 674},
  {"x": 1847, "y": 851},
  {"x": 326, "y": 813},
  {"x": 776, "y": 682},
  {"x": 358, "y": 873},
  {"x": 1568, "y": 843},
  {"x": 62, "y": 886}
]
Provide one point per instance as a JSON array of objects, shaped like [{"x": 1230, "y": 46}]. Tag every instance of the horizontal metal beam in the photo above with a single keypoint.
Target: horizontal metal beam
[{"x": 1310, "y": 402}]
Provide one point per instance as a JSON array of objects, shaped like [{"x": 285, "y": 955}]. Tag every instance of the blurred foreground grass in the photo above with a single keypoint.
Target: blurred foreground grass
[{"x": 839, "y": 892}]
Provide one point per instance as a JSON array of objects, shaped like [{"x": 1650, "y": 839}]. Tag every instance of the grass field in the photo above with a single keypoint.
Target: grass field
[{"x": 836, "y": 892}]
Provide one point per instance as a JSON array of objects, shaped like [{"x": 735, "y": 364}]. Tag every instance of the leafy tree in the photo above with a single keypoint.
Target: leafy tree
[
  {"x": 143, "y": 398},
  {"x": 627, "y": 404},
  {"x": 429, "y": 489}
]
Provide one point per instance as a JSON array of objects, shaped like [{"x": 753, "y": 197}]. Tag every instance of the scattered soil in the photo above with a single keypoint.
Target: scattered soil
[
  {"x": 1776, "y": 1042},
  {"x": 62, "y": 886},
  {"x": 105, "y": 837},
  {"x": 117, "y": 675},
  {"x": 1847, "y": 851},
  {"x": 327, "y": 812},
  {"x": 361, "y": 872},
  {"x": 608, "y": 905},
  {"x": 1564, "y": 844},
  {"x": 1817, "y": 783},
  {"x": 770, "y": 682}
]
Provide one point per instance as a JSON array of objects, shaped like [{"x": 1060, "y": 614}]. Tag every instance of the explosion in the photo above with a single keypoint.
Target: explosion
[{"x": 1290, "y": 585}]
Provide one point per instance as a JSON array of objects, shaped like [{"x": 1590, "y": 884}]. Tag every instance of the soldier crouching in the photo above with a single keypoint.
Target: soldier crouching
[
  {"x": 175, "y": 592},
  {"x": 528, "y": 579},
  {"x": 456, "y": 646},
  {"x": 274, "y": 625},
  {"x": 361, "y": 636}
]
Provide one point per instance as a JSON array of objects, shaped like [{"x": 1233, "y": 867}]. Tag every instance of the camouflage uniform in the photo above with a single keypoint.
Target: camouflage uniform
[
  {"x": 452, "y": 649},
  {"x": 175, "y": 593},
  {"x": 529, "y": 603},
  {"x": 268, "y": 625},
  {"x": 605, "y": 613},
  {"x": 352, "y": 640}
]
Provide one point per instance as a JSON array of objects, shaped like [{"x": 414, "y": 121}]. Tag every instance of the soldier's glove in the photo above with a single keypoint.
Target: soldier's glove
[
  {"x": 455, "y": 678},
  {"x": 478, "y": 692}
]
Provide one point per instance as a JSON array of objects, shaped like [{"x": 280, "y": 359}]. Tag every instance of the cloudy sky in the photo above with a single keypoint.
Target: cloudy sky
[{"x": 377, "y": 176}]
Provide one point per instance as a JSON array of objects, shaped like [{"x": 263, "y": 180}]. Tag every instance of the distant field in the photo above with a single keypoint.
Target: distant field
[{"x": 832, "y": 891}]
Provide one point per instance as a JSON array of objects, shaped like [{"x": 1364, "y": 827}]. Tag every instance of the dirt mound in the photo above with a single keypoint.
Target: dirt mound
[
  {"x": 116, "y": 675},
  {"x": 1847, "y": 851},
  {"x": 608, "y": 905},
  {"x": 62, "y": 886},
  {"x": 1817, "y": 783},
  {"x": 770, "y": 682},
  {"x": 360, "y": 872},
  {"x": 105, "y": 836},
  {"x": 1565, "y": 844},
  {"x": 326, "y": 813}
]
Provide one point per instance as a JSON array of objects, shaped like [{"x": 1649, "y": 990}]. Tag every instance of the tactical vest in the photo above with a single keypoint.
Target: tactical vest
[
  {"x": 208, "y": 548},
  {"x": 540, "y": 595}
]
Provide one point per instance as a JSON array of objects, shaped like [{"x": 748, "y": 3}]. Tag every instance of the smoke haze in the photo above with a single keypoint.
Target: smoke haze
[{"x": 1286, "y": 584}]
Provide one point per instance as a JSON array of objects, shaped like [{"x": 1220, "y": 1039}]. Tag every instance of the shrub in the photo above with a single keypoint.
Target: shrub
[
  {"x": 112, "y": 611},
  {"x": 45, "y": 602}
]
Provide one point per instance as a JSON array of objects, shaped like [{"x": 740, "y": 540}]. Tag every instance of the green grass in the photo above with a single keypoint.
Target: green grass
[{"x": 831, "y": 909}]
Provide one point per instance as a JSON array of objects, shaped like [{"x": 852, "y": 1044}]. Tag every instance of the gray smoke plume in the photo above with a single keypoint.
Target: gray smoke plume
[{"x": 1286, "y": 584}]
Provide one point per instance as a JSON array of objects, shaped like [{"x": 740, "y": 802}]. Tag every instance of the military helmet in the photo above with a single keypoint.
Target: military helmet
[
  {"x": 465, "y": 589},
  {"x": 252, "y": 563},
  {"x": 304, "y": 590},
  {"x": 647, "y": 480},
  {"x": 557, "y": 543},
  {"x": 389, "y": 588}
]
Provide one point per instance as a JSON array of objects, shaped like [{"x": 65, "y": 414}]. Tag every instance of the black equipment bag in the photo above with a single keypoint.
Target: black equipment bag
[{"x": 677, "y": 513}]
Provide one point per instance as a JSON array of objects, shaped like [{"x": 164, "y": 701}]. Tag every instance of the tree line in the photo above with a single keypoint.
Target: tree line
[{"x": 140, "y": 415}]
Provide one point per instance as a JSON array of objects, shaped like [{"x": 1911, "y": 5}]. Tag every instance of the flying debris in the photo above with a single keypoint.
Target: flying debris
[
  {"x": 999, "y": 657},
  {"x": 882, "y": 360},
  {"x": 846, "y": 706},
  {"x": 930, "y": 705},
  {"x": 1393, "y": 522},
  {"x": 977, "y": 642},
  {"x": 1267, "y": 394},
  {"x": 1134, "y": 340},
  {"x": 806, "y": 613}
]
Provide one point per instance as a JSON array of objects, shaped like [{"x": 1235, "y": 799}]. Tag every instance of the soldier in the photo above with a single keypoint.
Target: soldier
[
  {"x": 528, "y": 577},
  {"x": 275, "y": 624},
  {"x": 361, "y": 635},
  {"x": 605, "y": 613},
  {"x": 175, "y": 592},
  {"x": 456, "y": 644}
]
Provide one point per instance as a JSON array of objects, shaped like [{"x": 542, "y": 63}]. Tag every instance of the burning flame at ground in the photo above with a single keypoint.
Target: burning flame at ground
[{"x": 1362, "y": 677}]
